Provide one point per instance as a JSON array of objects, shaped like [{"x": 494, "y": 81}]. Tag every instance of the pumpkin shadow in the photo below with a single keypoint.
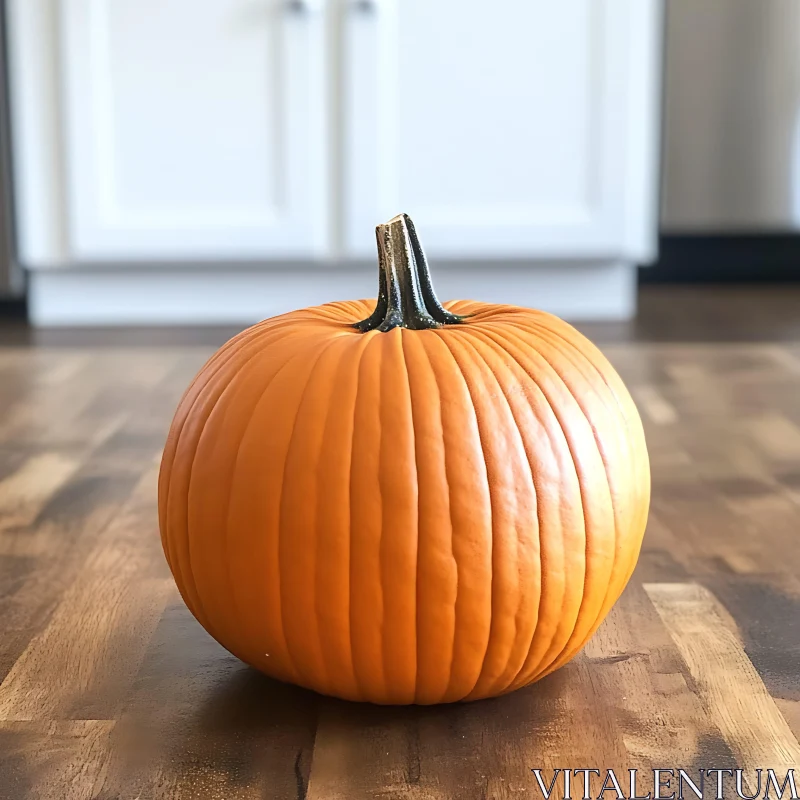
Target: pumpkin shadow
[
  {"x": 259, "y": 731},
  {"x": 249, "y": 702},
  {"x": 452, "y": 750}
]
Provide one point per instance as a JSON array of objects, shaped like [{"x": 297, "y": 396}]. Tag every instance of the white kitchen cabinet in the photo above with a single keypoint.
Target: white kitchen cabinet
[
  {"x": 223, "y": 160},
  {"x": 194, "y": 128},
  {"x": 504, "y": 126}
]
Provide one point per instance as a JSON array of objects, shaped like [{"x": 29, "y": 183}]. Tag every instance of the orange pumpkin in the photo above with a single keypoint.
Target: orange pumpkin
[{"x": 436, "y": 503}]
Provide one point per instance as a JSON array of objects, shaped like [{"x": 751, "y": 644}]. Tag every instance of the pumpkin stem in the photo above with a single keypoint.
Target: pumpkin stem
[
  {"x": 405, "y": 293},
  {"x": 435, "y": 308}
]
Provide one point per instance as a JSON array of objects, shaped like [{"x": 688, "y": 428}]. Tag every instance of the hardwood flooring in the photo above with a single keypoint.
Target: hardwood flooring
[{"x": 109, "y": 689}]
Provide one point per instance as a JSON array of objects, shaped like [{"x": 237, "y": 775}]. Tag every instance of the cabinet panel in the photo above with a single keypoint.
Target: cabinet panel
[
  {"x": 195, "y": 128},
  {"x": 502, "y": 127}
]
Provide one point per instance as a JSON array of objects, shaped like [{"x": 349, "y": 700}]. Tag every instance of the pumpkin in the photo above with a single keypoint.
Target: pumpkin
[{"x": 404, "y": 501}]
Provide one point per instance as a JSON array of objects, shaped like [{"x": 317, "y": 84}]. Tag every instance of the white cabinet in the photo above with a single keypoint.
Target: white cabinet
[
  {"x": 503, "y": 125},
  {"x": 194, "y": 128},
  {"x": 228, "y": 145}
]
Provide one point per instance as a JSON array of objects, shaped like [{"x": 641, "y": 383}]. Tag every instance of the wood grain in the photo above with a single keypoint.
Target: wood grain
[
  {"x": 109, "y": 689},
  {"x": 725, "y": 679},
  {"x": 27, "y": 489},
  {"x": 80, "y": 665},
  {"x": 43, "y": 760}
]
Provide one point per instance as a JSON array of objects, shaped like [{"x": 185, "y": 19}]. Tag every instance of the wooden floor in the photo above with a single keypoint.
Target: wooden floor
[{"x": 110, "y": 689}]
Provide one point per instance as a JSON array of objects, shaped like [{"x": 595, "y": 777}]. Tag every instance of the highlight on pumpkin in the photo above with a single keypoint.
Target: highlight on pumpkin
[{"x": 399, "y": 500}]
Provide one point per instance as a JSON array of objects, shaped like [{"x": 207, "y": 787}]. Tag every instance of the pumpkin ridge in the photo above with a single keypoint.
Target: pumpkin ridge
[
  {"x": 581, "y": 494},
  {"x": 423, "y": 374},
  {"x": 392, "y": 385},
  {"x": 237, "y": 379},
  {"x": 317, "y": 457},
  {"x": 485, "y": 336},
  {"x": 300, "y": 347},
  {"x": 230, "y": 390},
  {"x": 495, "y": 536},
  {"x": 281, "y": 533},
  {"x": 573, "y": 640},
  {"x": 367, "y": 612},
  {"x": 491, "y": 340},
  {"x": 171, "y": 449},
  {"x": 419, "y": 342},
  {"x": 492, "y": 334},
  {"x": 625, "y": 403},
  {"x": 492, "y": 370},
  {"x": 537, "y": 328},
  {"x": 419, "y": 527},
  {"x": 446, "y": 693},
  {"x": 225, "y": 538},
  {"x": 187, "y": 579},
  {"x": 636, "y": 523},
  {"x": 623, "y": 437},
  {"x": 230, "y": 381},
  {"x": 321, "y": 382},
  {"x": 574, "y": 637},
  {"x": 458, "y": 621},
  {"x": 601, "y": 612},
  {"x": 347, "y": 376},
  {"x": 382, "y": 527},
  {"x": 361, "y": 350},
  {"x": 502, "y": 342},
  {"x": 189, "y": 572}
]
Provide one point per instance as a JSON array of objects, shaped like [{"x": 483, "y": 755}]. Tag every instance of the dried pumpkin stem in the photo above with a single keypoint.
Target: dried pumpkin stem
[
  {"x": 405, "y": 293},
  {"x": 435, "y": 308}
]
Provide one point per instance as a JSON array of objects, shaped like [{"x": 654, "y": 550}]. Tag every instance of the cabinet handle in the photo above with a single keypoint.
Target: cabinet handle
[
  {"x": 364, "y": 6},
  {"x": 302, "y": 7}
]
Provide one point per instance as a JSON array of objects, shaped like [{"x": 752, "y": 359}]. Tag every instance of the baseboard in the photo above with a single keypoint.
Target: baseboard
[
  {"x": 725, "y": 258},
  {"x": 13, "y": 307},
  {"x": 169, "y": 295}
]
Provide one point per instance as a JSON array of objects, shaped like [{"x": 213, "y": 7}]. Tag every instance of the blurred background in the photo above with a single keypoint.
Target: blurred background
[{"x": 213, "y": 162}]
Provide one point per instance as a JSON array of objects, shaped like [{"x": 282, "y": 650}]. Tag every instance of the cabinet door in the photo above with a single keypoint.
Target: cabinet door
[
  {"x": 195, "y": 128},
  {"x": 505, "y": 127}
]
